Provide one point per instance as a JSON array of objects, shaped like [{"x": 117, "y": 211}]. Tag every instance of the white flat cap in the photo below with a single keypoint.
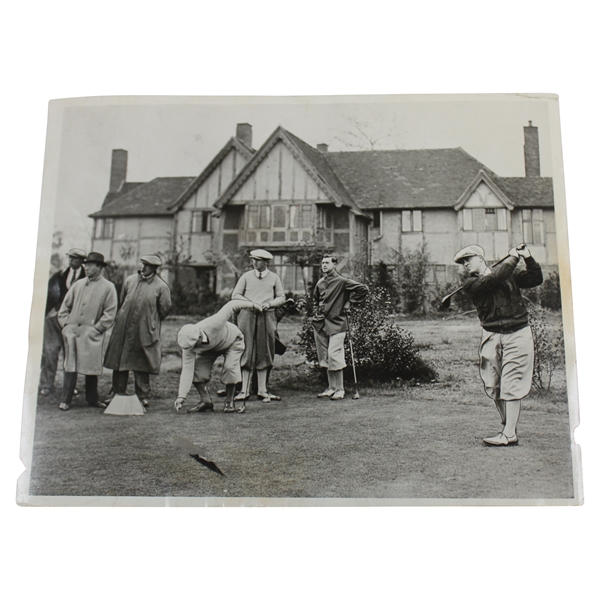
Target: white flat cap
[
  {"x": 188, "y": 336},
  {"x": 152, "y": 260},
  {"x": 469, "y": 250},
  {"x": 261, "y": 254}
]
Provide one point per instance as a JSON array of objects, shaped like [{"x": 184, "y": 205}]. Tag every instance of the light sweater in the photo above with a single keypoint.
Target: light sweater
[{"x": 268, "y": 289}]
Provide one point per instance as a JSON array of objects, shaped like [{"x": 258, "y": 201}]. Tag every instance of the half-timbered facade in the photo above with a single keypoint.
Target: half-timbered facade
[{"x": 293, "y": 199}]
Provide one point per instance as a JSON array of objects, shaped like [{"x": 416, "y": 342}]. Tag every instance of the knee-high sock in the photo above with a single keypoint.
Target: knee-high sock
[
  {"x": 512, "y": 413},
  {"x": 332, "y": 379},
  {"x": 245, "y": 381},
  {"x": 262, "y": 381},
  {"x": 500, "y": 405},
  {"x": 338, "y": 379}
]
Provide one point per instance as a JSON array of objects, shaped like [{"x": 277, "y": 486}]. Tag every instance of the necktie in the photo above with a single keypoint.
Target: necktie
[{"x": 72, "y": 278}]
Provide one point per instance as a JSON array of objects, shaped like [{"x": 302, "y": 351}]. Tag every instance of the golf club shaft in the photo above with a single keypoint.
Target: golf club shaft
[{"x": 351, "y": 351}]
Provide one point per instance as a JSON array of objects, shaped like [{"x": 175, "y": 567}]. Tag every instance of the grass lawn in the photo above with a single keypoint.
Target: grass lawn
[{"x": 397, "y": 441}]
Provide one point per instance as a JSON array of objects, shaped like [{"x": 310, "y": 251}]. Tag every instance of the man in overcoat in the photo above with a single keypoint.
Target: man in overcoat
[
  {"x": 263, "y": 288},
  {"x": 87, "y": 312},
  {"x": 135, "y": 340},
  {"x": 58, "y": 285}
]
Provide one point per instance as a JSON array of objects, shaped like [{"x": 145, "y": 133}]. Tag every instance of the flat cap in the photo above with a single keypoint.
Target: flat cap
[
  {"x": 188, "y": 336},
  {"x": 77, "y": 253},
  {"x": 261, "y": 254},
  {"x": 469, "y": 250},
  {"x": 152, "y": 260}
]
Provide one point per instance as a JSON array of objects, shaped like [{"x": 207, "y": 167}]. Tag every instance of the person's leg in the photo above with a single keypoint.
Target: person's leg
[
  {"x": 142, "y": 386},
  {"x": 120, "y": 378},
  {"x": 68, "y": 387},
  {"x": 52, "y": 345},
  {"x": 231, "y": 373},
  {"x": 203, "y": 369},
  {"x": 337, "y": 363},
  {"x": 322, "y": 351},
  {"x": 512, "y": 414},
  {"x": 491, "y": 355},
  {"x": 91, "y": 391},
  {"x": 245, "y": 383}
]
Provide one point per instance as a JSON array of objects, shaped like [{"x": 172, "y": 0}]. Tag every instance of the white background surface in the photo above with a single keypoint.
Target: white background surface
[{"x": 65, "y": 49}]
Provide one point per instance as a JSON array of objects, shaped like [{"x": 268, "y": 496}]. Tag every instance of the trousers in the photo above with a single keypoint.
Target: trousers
[
  {"x": 120, "y": 378},
  {"x": 52, "y": 345}
]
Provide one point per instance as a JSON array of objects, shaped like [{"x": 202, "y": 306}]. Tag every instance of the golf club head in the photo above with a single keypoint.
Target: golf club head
[
  {"x": 356, "y": 395},
  {"x": 241, "y": 410}
]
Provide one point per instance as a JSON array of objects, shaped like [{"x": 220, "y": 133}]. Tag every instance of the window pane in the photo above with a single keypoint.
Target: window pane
[
  {"x": 417, "y": 220},
  {"x": 253, "y": 217},
  {"x": 265, "y": 217},
  {"x": 502, "y": 219},
  {"x": 490, "y": 219},
  {"x": 467, "y": 216},
  {"x": 478, "y": 219},
  {"x": 306, "y": 219},
  {"x": 537, "y": 233},
  {"x": 537, "y": 214},
  {"x": 109, "y": 230},
  {"x": 526, "y": 214},
  {"x": 263, "y": 236},
  {"x": 527, "y": 231},
  {"x": 406, "y": 221},
  {"x": 278, "y": 216},
  {"x": 294, "y": 215},
  {"x": 206, "y": 222}
]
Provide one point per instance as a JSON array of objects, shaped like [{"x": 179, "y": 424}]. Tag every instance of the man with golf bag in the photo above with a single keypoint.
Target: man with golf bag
[
  {"x": 333, "y": 296},
  {"x": 506, "y": 349}
]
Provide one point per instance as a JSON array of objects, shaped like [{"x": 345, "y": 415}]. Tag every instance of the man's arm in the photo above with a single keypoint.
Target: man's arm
[
  {"x": 231, "y": 308},
  {"x": 188, "y": 359},
  {"x": 109, "y": 310},
  {"x": 533, "y": 275},
  {"x": 164, "y": 302},
  {"x": 239, "y": 290},
  {"x": 355, "y": 292},
  {"x": 279, "y": 298},
  {"x": 66, "y": 307}
]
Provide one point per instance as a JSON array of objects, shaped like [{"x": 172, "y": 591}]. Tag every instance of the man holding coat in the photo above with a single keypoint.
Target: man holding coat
[
  {"x": 135, "y": 341},
  {"x": 87, "y": 312}
]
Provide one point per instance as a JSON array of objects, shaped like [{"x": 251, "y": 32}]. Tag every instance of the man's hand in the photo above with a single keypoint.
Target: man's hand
[
  {"x": 179, "y": 403},
  {"x": 523, "y": 251},
  {"x": 257, "y": 307},
  {"x": 514, "y": 252},
  {"x": 265, "y": 306},
  {"x": 347, "y": 309}
]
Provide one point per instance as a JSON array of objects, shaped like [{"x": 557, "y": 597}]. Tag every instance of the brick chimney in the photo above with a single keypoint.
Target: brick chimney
[
  {"x": 532, "y": 161},
  {"x": 244, "y": 133},
  {"x": 322, "y": 148},
  {"x": 118, "y": 169}
]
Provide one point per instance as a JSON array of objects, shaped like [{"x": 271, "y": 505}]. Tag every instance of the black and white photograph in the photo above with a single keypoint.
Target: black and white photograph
[
  {"x": 404, "y": 154},
  {"x": 303, "y": 301}
]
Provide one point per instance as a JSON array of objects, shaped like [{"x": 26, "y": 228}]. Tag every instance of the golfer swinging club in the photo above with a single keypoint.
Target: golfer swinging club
[
  {"x": 333, "y": 296},
  {"x": 506, "y": 349}
]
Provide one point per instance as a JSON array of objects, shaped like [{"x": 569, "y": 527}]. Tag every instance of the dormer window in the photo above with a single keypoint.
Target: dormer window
[{"x": 484, "y": 219}]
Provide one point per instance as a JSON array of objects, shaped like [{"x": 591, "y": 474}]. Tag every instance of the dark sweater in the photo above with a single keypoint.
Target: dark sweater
[{"x": 497, "y": 298}]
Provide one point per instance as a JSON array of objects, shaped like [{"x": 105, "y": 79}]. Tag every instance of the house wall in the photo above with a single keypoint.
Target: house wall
[
  {"x": 199, "y": 245},
  {"x": 135, "y": 237}
]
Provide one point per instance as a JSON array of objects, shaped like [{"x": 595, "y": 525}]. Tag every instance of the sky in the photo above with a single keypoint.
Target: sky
[{"x": 179, "y": 136}]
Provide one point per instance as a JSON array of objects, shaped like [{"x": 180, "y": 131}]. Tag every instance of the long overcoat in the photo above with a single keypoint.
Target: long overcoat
[
  {"x": 135, "y": 341},
  {"x": 87, "y": 312}
]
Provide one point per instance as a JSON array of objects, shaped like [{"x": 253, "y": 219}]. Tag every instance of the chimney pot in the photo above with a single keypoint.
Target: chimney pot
[
  {"x": 322, "y": 148},
  {"x": 118, "y": 169},
  {"x": 244, "y": 133}
]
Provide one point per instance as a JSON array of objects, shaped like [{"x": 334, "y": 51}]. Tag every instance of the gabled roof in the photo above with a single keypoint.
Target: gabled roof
[
  {"x": 148, "y": 199},
  {"x": 126, "y": 187},
  {"x": 527, "y": 192},
  {"x": 312, "y": 160},
  {"x": 482, "y": 177},
  {"x": 233, "y": 143},
  {"x": 405, "y": 178}
]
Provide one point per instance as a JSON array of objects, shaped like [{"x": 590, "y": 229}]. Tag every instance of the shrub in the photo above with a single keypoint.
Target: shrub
[
  {"x": 195, "y": 299},
  {"x": 413, "y": 266},
  {"x": 549, "y": 348},
  {"x": 548, "y": 295},
  {"x": 382, "y": 350}
]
